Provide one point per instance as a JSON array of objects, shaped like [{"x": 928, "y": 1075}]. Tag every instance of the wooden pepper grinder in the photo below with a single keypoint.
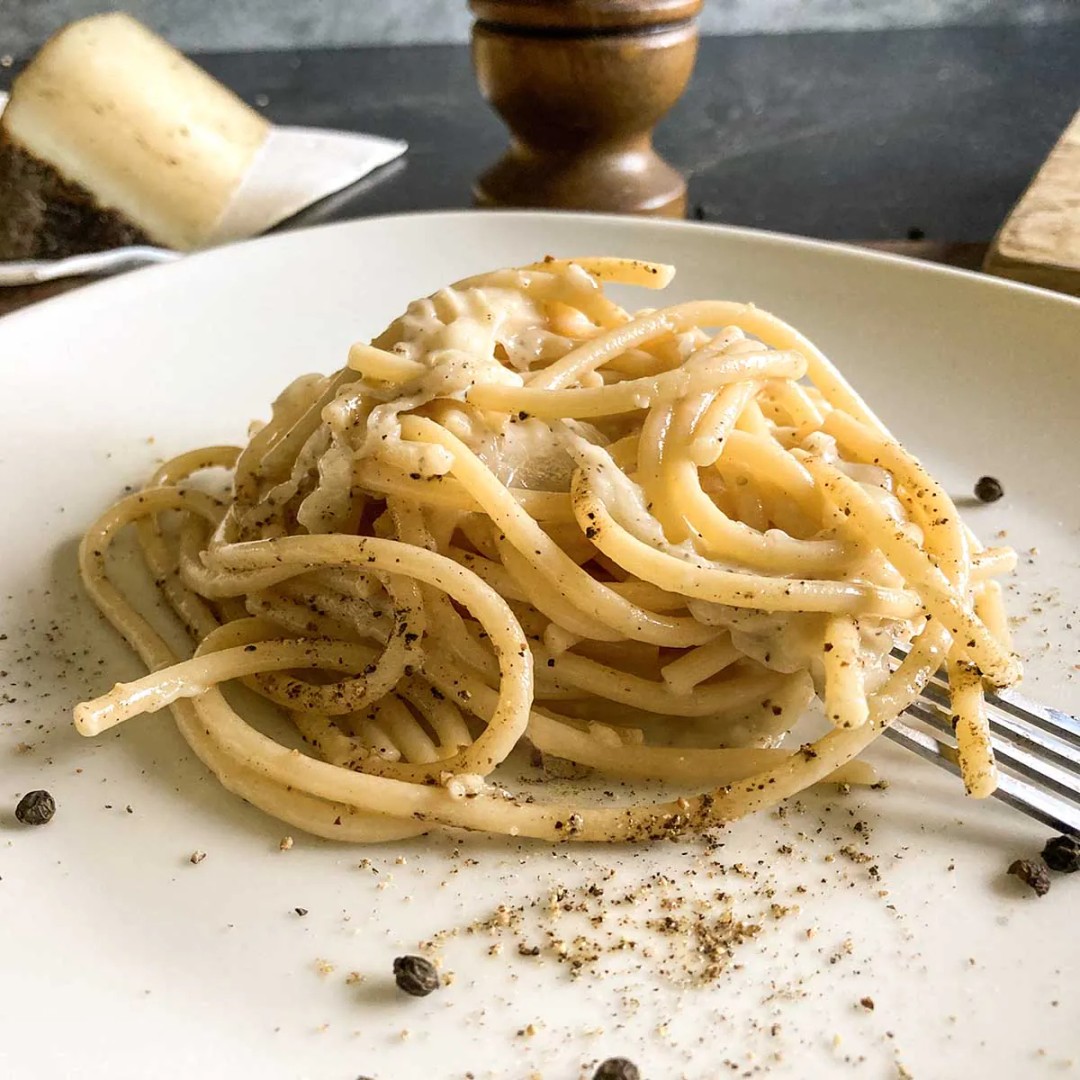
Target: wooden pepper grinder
[{"x": 581, "y": 84}]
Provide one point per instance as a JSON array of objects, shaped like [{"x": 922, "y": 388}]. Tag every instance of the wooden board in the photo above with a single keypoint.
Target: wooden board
[{"x": 1040, "y": 240}]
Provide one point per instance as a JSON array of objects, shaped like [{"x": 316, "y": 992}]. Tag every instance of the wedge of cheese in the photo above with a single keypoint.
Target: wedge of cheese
[{"x": 112, "y": 137}]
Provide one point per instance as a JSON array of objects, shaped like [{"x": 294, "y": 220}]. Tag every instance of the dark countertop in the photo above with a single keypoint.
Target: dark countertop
[
  {"x": 867, "y": 136},
  {"x": 856, "y": 136}
]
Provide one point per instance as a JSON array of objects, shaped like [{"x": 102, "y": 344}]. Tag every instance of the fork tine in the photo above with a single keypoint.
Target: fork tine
[
  {"x": 1038, "y": 804},
  {"x": 937, "y": 690},
  {"x": 1051, "y": 747},
  {"x": 1005, "y": 727},
  {"x": 1053, "y": 721},
  {"x": 1060, "y": 779},
  {"x": 1037, "y": 748},
  {"x": 1039, "y": 728},
  {"x": 1018, "y": 727},
  {"x": 1045, "y": 730}
]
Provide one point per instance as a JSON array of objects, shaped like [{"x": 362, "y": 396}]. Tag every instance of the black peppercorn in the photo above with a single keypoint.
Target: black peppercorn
[
  {"x": 988, "y": 489},
  {"x": 415, "y": 975},
  {"x": 1062, "y": 854},
  {"x": 617, "y": 1069},
  {"x": 1032, "y": 872},
  {"x": 35, "y": 808}
]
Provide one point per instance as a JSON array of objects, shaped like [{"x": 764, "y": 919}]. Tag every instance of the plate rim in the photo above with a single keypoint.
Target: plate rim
[{"x": 826, "y": 248}]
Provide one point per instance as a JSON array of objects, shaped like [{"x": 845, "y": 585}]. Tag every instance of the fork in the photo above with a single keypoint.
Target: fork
[{"x": 1037, "y": 749}]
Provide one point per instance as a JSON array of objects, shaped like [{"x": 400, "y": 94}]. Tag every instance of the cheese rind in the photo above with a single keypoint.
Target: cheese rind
[
  {"x": 44, "y": 216},
  {"x": 122, "y": 115}
]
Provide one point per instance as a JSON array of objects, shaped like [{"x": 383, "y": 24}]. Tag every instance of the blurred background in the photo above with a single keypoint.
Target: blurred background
[{"x": 256, "y": 24}]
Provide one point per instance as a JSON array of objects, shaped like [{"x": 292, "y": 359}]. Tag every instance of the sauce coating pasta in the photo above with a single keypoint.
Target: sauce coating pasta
[{"x": 521, "y": 515}]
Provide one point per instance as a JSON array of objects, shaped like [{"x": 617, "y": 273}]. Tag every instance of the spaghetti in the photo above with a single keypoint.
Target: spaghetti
[{"x": 644, "y": 544}]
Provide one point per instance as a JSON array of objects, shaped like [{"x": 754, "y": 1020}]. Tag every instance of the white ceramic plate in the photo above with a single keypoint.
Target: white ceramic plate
[{"x": 123, "y": 959}]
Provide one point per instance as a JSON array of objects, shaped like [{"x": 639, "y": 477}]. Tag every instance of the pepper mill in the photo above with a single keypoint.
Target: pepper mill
[{"x": 581, "y": 85}]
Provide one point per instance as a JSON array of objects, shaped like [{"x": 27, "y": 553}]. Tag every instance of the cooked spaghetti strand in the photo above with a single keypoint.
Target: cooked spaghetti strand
[{"x": 522, "y": 515}]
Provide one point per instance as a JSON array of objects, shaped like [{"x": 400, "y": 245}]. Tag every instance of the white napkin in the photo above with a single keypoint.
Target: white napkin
[{"x": 294, "y": 168}]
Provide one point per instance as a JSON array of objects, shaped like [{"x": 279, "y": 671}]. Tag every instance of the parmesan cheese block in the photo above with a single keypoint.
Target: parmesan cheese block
[{"x": 112, "y": 137}]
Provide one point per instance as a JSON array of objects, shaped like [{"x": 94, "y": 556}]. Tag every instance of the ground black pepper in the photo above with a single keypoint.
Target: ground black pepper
[
  {"x": 35, "y": 808},
  {"x": 415, "y": 975},
  {"x": 1032, "y": 872},
  {"x": 1062, "y": 854},
  {"x": 617, "y": 1069},
  {"x": 988, "y": 489}
]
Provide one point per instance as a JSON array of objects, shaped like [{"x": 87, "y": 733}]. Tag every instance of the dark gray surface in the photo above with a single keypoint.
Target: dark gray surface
[{"x": 856, "y": 136}]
